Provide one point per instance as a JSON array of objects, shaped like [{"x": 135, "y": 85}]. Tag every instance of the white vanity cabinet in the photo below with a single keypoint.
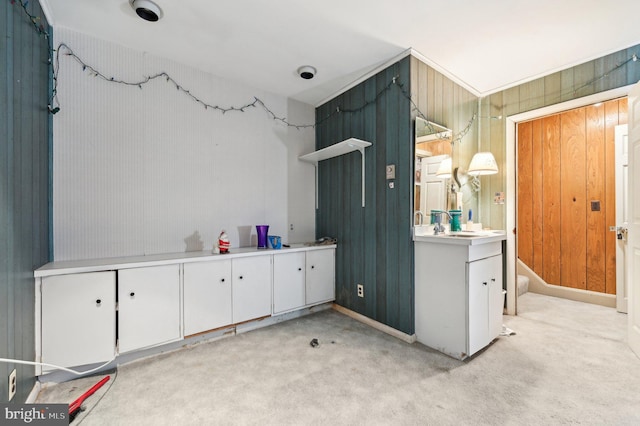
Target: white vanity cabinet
[
  {"x": 149, "y": 306},
  {"x": 458, "y": 293},
  {"x": 320, "y": 276},
  {"x": 485, "y": 301},
  {"x": 207, "y": 296},
  {"x": 78, "y": 317},
  {"x": 288, "y": 281},
  {"x": 251, "y": 287}
]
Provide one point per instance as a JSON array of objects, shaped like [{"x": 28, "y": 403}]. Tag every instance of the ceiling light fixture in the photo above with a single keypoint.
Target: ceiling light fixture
[
  {"x": 147, "y": 10},
  {"x": 307, "y": 72}
]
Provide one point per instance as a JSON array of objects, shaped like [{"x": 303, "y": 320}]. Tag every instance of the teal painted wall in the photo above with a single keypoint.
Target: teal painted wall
[
  {"x": 24, "y": 186},
  {"x": 374, "y": 243}
]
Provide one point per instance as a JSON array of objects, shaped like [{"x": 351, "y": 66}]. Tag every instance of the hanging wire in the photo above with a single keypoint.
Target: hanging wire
[{"x": 54, "y": 105}]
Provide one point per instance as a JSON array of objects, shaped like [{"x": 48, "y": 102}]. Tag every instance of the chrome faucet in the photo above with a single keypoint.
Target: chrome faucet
[
  {"x": 420, "y": 217},
  {"x": 438, "y": 227}
]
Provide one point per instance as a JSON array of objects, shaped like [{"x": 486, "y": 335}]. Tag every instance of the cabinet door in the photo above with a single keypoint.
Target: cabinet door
[
  {"x": 483, "y": 281},
  {"x": 207, "y": 296},
  {"x": 288, "y": 281},
  {"x": 320, "y": 277},
  {"x": 251, "y": 287},
  {"x": 78, "y": 318},
  {"x": 496, "y": 298},
  {"x": 149, "y": 306}
]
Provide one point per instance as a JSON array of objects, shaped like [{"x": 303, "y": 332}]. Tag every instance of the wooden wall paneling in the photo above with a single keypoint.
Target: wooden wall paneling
[
  {"x": 551, "y": 195},
  {"x": 374, "y": 243},
  {"x": 511, "y": 101},
  {"x": 633, "y": 67},
  {"x": 431, "y": 92},
  {"x": 583, "y": 76},
  {"x": 573, "y": 203},
  {"x": 438, "y": 96},
  {"x": 605, "y": 65},
  {"x": 566, "y": 85},
  {"x": 24, "y": 187},
  {"x": 623, "y": 111},
  {"x": 525, "y": 206},
  {"x": 380, "y": 243},
  {"x": 532, "y": 95},
  {"x": 400, "y": 246},
  {"x": 371, "y": 221},
  {"x": 552, "y": 88},
  {"x": 595, "y": 183},
  {"x": 537, "y": 171},
  {"x": 611, "y": 116}
]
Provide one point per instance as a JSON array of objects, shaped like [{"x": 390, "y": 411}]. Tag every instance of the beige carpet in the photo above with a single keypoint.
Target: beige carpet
[{"x": 568, "y": 363}]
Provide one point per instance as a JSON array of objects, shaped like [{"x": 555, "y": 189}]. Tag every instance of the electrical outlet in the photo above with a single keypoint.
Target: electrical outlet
[
  {"x": 360, "y": 290},
  {"x": 13, "y": 384}
]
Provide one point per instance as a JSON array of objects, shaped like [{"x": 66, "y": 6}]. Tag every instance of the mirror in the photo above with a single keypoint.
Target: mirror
[{"x": 432, "y": 146}]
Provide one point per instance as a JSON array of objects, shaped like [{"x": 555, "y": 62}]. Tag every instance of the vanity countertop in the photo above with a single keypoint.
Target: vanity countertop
[{"x": 467, "y": 238}]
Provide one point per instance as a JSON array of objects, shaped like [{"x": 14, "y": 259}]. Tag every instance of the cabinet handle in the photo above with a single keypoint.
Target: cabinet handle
[
  {"x": 493, "y": 280},
  {"x": 222, "y": 280},
  {"x": 99, "y": 301},
  {"x": 132, "y": 294},
  {"x": 484, "y": 283},
  {"x": 299, "y": 269},
  {"x": 313, "y": 266},
  {"x": 240, "y": 276}
]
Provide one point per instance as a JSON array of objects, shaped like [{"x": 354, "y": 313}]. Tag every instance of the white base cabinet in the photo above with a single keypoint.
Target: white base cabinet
[
  {"x": 207, "y": 296},
  {"x": 458, "y": 296},
  {"x": 78, "y": 318},
  {"x": 251, "y": 288},
  {"x": 122, "y": 305},
  {"x": 320, "y": 279},
  {"x": 149, "y": 306},
  {"x": 288, "y": 281}
]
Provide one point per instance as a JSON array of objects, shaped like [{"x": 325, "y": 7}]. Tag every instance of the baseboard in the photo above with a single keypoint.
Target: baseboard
[
  {"x": 375, "y": 324},
  {"x": 538, "y": 285},
  {"x": 33, "y": 395}
]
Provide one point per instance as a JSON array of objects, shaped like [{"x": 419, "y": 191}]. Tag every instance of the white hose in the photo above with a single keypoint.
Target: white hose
[{"x": 77, "y": 373}]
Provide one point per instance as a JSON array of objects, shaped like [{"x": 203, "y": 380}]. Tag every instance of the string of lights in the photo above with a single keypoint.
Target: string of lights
[{"x": 54, "y": 105}]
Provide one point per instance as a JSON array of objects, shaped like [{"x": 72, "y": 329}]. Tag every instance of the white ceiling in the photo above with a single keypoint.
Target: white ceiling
[{"x": 484, "y": 45}]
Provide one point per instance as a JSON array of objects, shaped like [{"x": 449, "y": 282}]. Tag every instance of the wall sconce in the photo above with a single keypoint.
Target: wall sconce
[
  {"x": 482, "y": 163},
  {"x": 444, "y": 171}
]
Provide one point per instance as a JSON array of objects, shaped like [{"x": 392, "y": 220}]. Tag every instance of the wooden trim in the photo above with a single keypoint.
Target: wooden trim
[{"x": 375, "y": 324}]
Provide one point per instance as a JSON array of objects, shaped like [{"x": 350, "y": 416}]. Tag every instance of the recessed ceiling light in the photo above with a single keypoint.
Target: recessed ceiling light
[
  {"x": 307, "y": 72},
  {"x": 147, "y": 10}
]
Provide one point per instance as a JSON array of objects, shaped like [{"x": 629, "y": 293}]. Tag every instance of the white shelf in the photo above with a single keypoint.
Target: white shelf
[{"x": 335, "y": 150}]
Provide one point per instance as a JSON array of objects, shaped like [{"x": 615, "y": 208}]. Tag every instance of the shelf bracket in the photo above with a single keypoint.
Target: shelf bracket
[{"x": 335, "y": 150}]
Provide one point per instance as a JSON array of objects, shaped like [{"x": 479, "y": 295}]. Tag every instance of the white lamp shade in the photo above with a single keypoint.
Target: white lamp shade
[
  {"x": 483, "y": 163},
  {"x": 444, "y": 171}
]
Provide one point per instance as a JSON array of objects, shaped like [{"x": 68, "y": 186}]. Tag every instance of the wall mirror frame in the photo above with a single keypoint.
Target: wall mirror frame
[{"x": 433, "y": 144}]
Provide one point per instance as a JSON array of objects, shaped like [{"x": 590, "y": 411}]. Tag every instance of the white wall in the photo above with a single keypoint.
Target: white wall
[{"x": 139, "y": 170}]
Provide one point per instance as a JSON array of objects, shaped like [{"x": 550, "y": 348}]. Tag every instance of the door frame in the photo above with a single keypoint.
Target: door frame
[{"x": 511, "y": 123}]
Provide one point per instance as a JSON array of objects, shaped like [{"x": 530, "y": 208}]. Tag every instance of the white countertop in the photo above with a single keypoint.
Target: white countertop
[
  {"x": 467, "y": 238},
  {"x": 112, "y": 263}
]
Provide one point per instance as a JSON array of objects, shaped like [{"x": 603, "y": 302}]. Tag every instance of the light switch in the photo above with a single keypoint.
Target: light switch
[{"x": 391, "y": 171}]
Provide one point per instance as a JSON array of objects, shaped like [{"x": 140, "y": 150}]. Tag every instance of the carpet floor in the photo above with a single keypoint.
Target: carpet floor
[{"x": 567, "y": 363}]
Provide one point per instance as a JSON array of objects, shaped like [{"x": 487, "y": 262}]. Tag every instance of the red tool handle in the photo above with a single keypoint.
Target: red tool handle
[{"x": 75, "y": 405}]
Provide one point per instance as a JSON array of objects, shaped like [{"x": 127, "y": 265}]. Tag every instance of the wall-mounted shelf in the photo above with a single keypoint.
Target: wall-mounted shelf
[{"x": 336, "y": 150}]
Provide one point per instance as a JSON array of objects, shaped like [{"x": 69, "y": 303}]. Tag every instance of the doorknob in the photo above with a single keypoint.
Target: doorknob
[{"x": 621, "y": 232}]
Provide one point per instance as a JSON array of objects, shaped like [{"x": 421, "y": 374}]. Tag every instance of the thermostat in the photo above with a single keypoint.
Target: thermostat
[{"x": 391, "y": 171}]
